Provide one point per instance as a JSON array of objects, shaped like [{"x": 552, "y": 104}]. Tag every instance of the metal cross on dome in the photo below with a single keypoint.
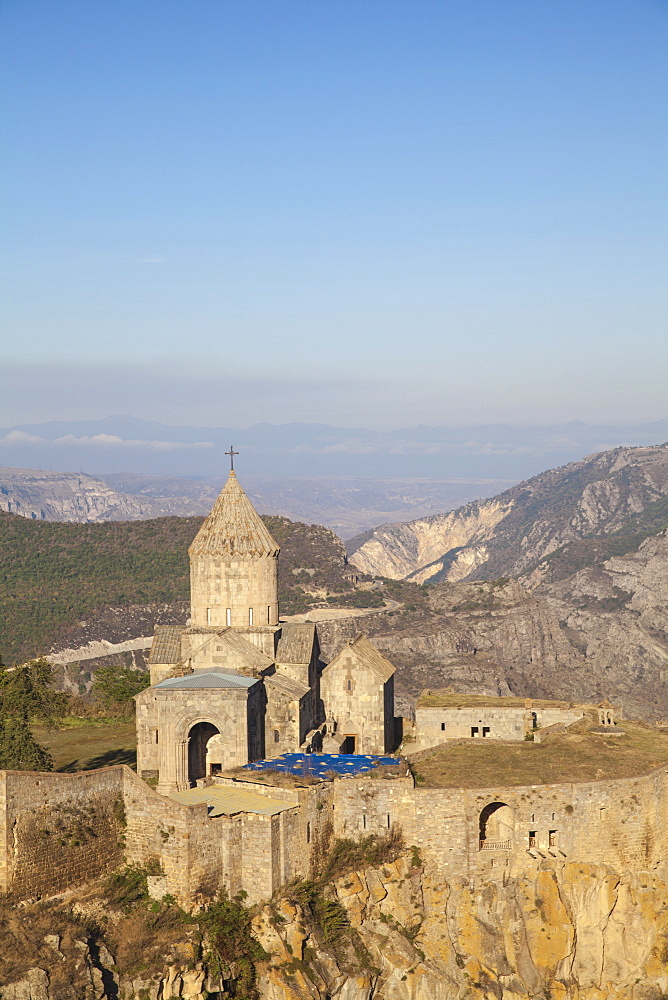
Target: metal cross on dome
[{"x": 231, "y": 453}]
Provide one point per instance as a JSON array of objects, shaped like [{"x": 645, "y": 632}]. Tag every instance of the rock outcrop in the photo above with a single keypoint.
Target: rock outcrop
[
  {"x": 68, "y": 496},
  {"x": 508, "y": 534},
  {"x": 400, "y": 932},
  {"x": 568, "y": 932}
]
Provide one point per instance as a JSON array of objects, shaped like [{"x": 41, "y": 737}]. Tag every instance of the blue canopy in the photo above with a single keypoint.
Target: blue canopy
[{"x": 318, "y": 765}]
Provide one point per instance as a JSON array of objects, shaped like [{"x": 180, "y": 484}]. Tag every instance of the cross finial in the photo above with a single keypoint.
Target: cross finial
[{"x": 231, "y": 453}]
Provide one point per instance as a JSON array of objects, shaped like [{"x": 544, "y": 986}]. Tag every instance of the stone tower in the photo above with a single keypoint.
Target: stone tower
[{"x": 233, "y": 566}]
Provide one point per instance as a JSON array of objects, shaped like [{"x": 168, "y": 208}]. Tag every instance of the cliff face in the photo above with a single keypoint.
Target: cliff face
[
  {"x": 570, "y": 931},
  {"x": 399, "y": 932},
  {"x": 601, "y": 633},
  {"x": 67, "y": 496},
  {"x": 508, "y": 534}
]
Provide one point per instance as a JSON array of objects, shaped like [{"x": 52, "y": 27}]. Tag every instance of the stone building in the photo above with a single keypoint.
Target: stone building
[
  {"x": 486, "y": 718},
  {"x": 237, "y": 684}
]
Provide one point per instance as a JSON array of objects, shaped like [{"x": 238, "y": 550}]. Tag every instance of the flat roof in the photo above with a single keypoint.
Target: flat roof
[
  {"x": 449, "y": 699},
  {"x": 223, "y": 801}
]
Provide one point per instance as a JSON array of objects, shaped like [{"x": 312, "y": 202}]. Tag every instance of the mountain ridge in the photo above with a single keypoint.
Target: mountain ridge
[{"x": 517, "y": 529}]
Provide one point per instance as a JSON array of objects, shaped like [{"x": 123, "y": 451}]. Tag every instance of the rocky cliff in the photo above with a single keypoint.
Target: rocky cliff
[
  {"x": 600, "y": 633},
  {"x": 68, "y": 496},
  {"x": 400, "y": 932},
  {"x": 623, "y": 490}
]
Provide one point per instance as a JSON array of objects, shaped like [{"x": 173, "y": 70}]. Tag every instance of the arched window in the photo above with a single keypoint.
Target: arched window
[
  {"x": 228, "y": 617},
  {"x": 277, "y": 736},
  {"x": 496, "y": 827},
  {"x": 250, "y": 616}
]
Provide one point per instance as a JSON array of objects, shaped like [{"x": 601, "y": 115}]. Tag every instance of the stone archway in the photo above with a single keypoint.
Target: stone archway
[
  {"x": 496, "y": 826},
  {"x": 198, "y": 738}
]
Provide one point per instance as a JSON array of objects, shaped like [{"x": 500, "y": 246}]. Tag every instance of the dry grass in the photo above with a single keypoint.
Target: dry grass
[
  {"x": 573, "y": 755},
  {"x": 90, "y": 745},
  {"x": 272, "y": 776},
  {"x": 449, "y": 699}
]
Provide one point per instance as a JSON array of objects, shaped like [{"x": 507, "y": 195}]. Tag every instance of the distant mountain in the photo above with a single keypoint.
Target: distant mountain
[
  {"x": 66, "y": 496},
  {"x": 544, "y": 528},
  {"x": 125, "y": 444},
  {"x": 347, "y": 506}
]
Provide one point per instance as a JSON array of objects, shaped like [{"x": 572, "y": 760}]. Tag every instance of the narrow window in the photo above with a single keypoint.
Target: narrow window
[
  {"x": 269, "y": 614},
  {"x": 552, "y": 838},
  {"x": 350, "y": 684},
  {"x": 277, "y": 736},
  {"x": 364, "y": 821},
  {"x": 442, "y": 727},
  {"x": 554, "y": 815},
  {"x": 155, "y": 736},
  {"x": 533, "y": 817},
  {"x": 308, "y": 833},
  {"x": 228, "y": 617},
  {"x": 208, "y": 616},
  {"x": 250, "y": 616},
  {"x": 532, "y": 838},
  {"x": 388, "y": 821}
]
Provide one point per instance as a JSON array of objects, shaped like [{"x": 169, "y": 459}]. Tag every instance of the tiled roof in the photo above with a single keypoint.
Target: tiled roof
[
  {"x": 367, "y": 656},
  {"x": 233, "y": 527},
  {"x": 296, "y": 643},
  {"x": 251, "y": 656},
  {"x": 166, "y": 646},
  {"x": 208, "y": 679},
  {"x": 286, "y": 684}
]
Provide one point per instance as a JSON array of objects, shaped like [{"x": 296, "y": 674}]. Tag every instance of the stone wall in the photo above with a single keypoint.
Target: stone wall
[
  {"x": 623, "y": 823},
  {"x": 357, "y": 699},
  {"x": 237, "y": 584},
  {"x": 437, "y": 725},
  {"x": 58, "y": 830}
]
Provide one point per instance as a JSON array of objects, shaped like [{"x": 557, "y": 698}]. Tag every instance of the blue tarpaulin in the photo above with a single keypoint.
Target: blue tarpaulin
[{"x": 319, "y": 764}]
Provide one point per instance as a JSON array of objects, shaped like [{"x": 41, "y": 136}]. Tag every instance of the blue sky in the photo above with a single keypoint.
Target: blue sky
[{"x": 441, "y": 212}]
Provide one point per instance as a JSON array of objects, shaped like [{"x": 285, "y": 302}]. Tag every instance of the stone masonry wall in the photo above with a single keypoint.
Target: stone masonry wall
[
  {"x": 238, "y": 584},
  {"x": 436, "y": 725},
  {"x": 58, "y": 830}
]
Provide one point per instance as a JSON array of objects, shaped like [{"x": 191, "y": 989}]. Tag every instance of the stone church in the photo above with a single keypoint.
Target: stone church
[{"x": 237, "y": 684}]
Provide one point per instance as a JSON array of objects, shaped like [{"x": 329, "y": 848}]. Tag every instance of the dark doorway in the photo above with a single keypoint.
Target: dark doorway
[
  {"x": 349, "y": 745},
  {"x": 198, "y": 737}
]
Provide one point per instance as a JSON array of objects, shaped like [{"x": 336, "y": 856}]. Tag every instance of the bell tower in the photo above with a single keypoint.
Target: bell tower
[{"x": 233, "y": 566}]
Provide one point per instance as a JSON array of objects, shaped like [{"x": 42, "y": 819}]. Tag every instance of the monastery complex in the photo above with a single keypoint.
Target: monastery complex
[{"x": 238, "y": 687}]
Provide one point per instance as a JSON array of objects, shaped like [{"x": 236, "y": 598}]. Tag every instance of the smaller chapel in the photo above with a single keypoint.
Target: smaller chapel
[{"x": 237, "y": 684}]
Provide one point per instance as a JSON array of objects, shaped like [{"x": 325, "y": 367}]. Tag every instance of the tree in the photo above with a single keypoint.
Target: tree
[
  {"x": 26, "y": 692},
  {"x": 19, "y": 751},
  {"x": 116, "y": 685}
]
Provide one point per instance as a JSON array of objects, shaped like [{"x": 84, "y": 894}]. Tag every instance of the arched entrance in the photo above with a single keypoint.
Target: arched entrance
[
  {"x": 496, "y": 827},
  {"x": 198, "y": 737}
]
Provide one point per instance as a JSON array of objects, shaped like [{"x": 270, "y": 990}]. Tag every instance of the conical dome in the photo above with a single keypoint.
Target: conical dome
[{"x": 233, "y": 527}]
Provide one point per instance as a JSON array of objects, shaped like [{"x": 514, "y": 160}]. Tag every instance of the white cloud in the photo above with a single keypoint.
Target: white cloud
[
  {"x": 113, "y": 441},
  {"x": 20, "y": 437}
]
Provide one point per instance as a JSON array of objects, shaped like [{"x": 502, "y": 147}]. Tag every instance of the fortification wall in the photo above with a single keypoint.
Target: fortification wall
[
  {"x": 622, "y": 823},
  {"x": 58, "y": 830}
]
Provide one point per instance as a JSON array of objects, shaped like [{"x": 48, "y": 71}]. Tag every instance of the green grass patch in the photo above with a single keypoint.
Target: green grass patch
[{"x": 83, "y": 745}]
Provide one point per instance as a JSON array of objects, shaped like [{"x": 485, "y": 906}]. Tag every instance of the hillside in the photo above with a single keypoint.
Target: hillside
[
  {"x": 54, "y": 574},
  {"x": 574, "y": 515}
]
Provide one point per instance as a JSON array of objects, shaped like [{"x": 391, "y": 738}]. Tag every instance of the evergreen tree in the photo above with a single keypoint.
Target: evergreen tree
[
  {"x": 19, "y": 751},
  {"x": 26, "y": 692},
  {"x": 116, "y": 685}
]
